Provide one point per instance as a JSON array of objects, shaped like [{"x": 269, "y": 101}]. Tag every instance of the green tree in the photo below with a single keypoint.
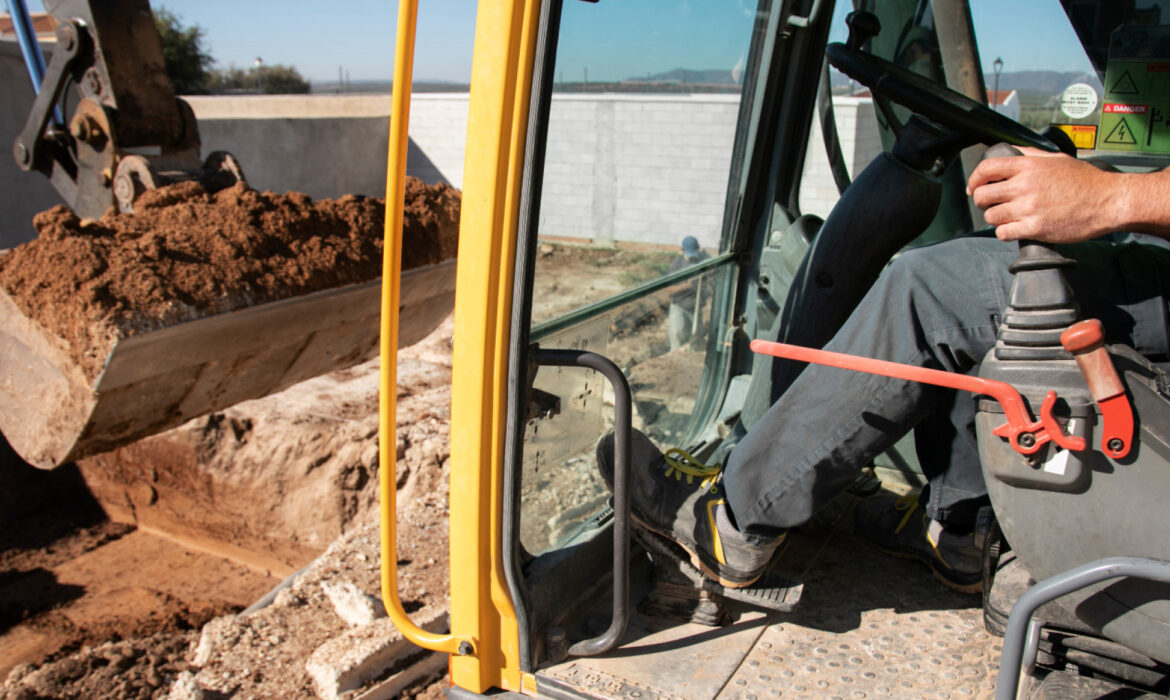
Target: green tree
[
  {"x": 187, "y": 63},
  {"x": 271, "y": 80}
]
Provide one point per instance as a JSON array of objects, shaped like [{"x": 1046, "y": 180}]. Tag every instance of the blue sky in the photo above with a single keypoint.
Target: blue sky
[
  {"x": 317, "y": 37},
  {"x": 358, "y": 35}
]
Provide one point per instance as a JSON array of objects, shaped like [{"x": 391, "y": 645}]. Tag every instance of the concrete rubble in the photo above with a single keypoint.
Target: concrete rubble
[{"x": 324, "y": 632}]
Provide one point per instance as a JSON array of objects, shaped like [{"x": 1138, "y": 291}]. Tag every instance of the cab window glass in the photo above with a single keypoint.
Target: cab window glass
[{"x": 638, "y": 151}]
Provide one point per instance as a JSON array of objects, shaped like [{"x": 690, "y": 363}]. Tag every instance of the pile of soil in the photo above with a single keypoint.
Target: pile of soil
[
  {"x": 136, "y": 668},
  {"x": 186, "y": 253}
]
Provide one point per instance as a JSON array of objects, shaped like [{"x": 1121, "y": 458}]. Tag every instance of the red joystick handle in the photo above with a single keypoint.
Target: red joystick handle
[{"x": 1086, "y": 341}]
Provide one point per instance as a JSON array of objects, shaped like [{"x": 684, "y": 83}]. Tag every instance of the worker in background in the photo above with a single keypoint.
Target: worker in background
[
  {"x": 685, "y": 304},
  {"x": 936, "y": 306}
]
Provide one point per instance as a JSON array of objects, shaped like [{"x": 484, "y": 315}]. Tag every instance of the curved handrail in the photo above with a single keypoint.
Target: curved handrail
[
  {"x": 388, "y": 344},
  {"x": 622, "y": 424}
]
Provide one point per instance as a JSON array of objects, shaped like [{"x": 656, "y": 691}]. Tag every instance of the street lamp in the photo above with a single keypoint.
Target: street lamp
[
  {"x": 998, "y": 65},
  {"x": 259, "y": 63}
]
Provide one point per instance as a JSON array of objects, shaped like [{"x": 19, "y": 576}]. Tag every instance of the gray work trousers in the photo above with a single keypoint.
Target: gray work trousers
[{"x": 938, "y": 306}]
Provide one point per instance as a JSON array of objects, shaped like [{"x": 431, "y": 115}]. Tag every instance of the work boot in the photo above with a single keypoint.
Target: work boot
[
  {"x": 682, "y": 499},
  {"x": 900, "y": 527}
]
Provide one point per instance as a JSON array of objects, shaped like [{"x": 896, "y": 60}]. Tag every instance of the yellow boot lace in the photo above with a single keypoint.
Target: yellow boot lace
[
  {"x": 681, "y": 463},
  {"x": 906, "y": 505}
]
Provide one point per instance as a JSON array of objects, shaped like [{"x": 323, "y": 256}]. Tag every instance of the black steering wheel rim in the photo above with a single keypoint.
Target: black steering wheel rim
[{"x": 939, "y": 104}]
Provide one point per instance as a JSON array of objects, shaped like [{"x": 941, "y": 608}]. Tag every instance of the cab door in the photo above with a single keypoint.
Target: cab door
[{"x": 665, "y": 146}]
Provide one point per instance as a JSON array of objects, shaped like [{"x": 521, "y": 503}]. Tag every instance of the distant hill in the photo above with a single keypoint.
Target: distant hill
[
  {"x": 687, "y": 76},
  {"x": 1050, "y": 82}
]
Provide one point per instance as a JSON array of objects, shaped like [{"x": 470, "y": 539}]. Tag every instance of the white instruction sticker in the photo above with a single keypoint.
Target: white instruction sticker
[{"x": 1078, "y": 100}]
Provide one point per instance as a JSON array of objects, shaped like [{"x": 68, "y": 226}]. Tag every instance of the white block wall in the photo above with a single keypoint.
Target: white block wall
[
  {"x": 649, "y": 169},
  {"x": 860, "y": 143},
  {"x": 438, "y": 128}
]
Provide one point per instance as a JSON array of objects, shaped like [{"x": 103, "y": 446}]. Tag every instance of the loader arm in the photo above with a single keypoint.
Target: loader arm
[{"x": 128, "y": 132}]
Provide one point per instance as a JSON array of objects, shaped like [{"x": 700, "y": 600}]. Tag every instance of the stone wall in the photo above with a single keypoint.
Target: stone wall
[{"x": 638, "y": 168}]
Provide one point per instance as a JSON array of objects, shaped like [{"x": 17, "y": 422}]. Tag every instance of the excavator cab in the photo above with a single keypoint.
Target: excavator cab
[{"x": 579, "y": 311}]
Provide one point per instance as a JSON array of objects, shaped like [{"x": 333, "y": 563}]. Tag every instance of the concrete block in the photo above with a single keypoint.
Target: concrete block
[
  {"x": 374, "y": 661},
  {"x": 353, "y": 605}
]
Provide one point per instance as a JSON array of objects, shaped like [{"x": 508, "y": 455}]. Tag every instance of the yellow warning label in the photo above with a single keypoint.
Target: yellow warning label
[
  {"x": 1083, "y": 136},
  {"x": 1124, "y": 85},
  {"x": 1121, "y": 134}
]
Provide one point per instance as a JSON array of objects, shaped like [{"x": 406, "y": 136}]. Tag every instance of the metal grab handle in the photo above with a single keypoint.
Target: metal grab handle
[
  {"x": 388, "y": 344},
  {"x": 1021, "y": 639},
  {"x": 621, "y": 489}
]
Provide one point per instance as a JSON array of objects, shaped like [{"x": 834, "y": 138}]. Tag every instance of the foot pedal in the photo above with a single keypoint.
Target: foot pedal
[{"x": 682, "y": 592}]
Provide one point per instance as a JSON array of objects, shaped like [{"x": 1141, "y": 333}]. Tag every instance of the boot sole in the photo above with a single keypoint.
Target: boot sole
[{"x": 696, "y": 558}]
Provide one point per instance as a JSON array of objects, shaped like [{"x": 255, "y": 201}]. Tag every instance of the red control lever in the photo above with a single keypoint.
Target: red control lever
[
  {"x": 1086, "y": 341},
  {"x": 1025, "y": 435}
]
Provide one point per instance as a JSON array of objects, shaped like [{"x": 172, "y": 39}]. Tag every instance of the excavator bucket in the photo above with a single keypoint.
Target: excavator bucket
[
  {"x": 281, "y": 287},
  {"x": 51, "y": 413}
]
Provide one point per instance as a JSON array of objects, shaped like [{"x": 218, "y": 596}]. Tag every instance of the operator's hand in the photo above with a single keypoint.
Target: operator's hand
[{"x": 1046, "y": 197}]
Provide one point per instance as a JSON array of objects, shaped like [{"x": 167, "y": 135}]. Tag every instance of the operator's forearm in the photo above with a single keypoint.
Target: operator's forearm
[{"x": 1142, "y": 203}]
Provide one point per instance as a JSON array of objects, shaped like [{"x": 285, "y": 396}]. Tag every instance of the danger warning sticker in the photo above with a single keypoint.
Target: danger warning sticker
[
  {"x": 1125, "y": 109},
  {"x": 1135, "y": 115}
]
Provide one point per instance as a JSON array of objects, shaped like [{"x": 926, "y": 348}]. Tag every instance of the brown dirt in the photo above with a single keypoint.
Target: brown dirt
[
  {"x": 135, "y": 668},
  {"x": 70, "y": 579},
  {"x": 268, "y": 650},
  {"x": 187, "y": 253}
]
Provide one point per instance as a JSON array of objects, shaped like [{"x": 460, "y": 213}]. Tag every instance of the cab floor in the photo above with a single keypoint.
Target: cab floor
[{"x": 868, "y": 625}]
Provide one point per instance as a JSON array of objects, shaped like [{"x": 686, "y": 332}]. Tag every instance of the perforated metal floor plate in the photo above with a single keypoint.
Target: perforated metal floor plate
[{"x": 868, "y": 626}]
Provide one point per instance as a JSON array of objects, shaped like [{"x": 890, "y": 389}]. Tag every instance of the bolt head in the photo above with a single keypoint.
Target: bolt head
[
  {"x": 20, "y": 151},
  {"x": 465, "y": 648},
  {"x": 67, "y": 38},
  {"x": 1116, "y": 445},
  {"x": 1027, "y": 440}
]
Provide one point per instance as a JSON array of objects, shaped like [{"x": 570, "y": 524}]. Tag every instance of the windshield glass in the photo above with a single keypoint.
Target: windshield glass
[{"x": 1099, "y": 70}]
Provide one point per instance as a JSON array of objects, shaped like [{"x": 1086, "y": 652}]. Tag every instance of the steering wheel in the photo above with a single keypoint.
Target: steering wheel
[{"x": 938, "y": 103}]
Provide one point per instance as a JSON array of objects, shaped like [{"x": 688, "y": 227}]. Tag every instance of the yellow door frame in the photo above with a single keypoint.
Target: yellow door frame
[{"x": 484, "y": 638}]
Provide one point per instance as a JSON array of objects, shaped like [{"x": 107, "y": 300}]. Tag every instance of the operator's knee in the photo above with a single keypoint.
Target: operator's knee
[
  {"x": 911, "y": 275},
  {"x": 952, "y": 274}
]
